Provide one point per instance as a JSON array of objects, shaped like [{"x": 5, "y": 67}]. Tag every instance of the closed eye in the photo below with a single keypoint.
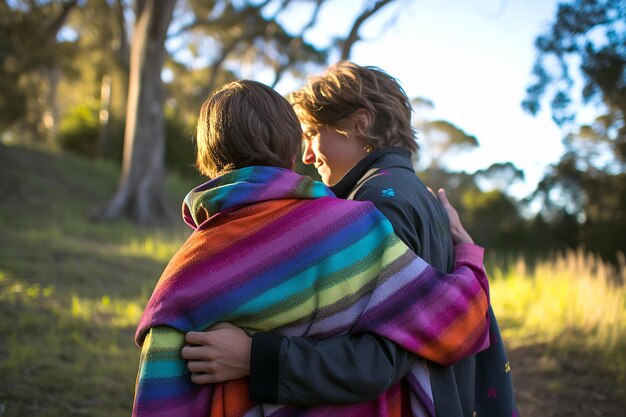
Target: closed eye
[{"x": 309, "y": 134}]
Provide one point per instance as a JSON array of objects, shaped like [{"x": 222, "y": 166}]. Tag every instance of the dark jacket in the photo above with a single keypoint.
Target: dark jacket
[{"x": 355, "y": 368}]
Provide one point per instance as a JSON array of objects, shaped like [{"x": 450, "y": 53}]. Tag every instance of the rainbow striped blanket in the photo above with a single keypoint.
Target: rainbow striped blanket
[{"x": 275, "y": 251}]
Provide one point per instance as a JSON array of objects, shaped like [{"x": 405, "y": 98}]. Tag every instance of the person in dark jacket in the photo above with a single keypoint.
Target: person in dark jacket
[{"x": 358, "y": 135}]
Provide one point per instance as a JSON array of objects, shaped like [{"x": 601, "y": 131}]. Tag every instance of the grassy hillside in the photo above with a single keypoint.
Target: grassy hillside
[{"x": 72, "y": 291}]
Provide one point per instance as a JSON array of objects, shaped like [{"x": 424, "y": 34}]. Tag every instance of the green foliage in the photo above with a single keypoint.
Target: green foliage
[
  {"x": 593, "y": 33},
  {"x": 78, "y": 130},
  {"x": 13, "y": 98},
  {"x": 12, "y": 102},
  {"x": 574, "y": 188},
  {"x": 180, "y": 152},
  {"x": 443, "y": 139},
  {"x": 586, "y": 38},
  {"x": 492, "y": 217},
  {"x": 29, "y": 48},
  {"x": 78, "y": 133}
]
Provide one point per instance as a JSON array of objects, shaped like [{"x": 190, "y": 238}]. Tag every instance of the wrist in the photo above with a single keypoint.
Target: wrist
[{"x": 460, "y": 236}]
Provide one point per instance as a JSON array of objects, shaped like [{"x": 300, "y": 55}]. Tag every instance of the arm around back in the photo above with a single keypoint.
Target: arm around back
[{"x": 339, "y": 370}]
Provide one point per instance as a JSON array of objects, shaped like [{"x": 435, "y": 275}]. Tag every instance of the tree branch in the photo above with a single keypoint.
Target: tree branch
[
  {"x": 353, "y": 36},
  {"x": 56, "y": 25}
]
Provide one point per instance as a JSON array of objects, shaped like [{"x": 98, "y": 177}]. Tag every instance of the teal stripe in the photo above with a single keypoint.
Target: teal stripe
[
  {"x": 164, "y": 369},
  {"x": 304, "y": 281}
]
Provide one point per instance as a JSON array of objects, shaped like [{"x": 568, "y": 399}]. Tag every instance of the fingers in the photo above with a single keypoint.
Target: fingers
[
  {"x": 199, "y": 367},
  {"x": 222, "y": 325},
  {"x": 221, "y": 353},
  {"x": 203, "y": 372},
  {"x": 201, "y": 378},
  {"x": 207, "y": 378},
  {"x": 443, "y": 198},
  {"x": 196, "y": 338},
  {"x": 193, "y": 352}
]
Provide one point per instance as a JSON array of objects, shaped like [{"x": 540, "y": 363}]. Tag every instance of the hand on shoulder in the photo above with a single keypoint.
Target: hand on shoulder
[{"x": 459, "y": 234}]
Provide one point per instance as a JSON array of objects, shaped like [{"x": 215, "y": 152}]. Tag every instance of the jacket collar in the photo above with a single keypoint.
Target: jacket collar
[{"x": 383, "y": 158}]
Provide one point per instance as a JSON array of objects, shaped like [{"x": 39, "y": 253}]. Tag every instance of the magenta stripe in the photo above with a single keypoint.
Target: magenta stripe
[
  {"x": 304, "y": 223},
  {"x": 252, "y": 256},
  {"x": 433, "y": 307},
  {"x": 436, "y": 318},
  {"x": 267, "y": 248}
]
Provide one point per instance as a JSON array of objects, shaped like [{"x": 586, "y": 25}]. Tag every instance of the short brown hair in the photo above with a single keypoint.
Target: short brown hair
[
  {"x": 346, "y": 87},
  {"x": 246, "y": 123}
]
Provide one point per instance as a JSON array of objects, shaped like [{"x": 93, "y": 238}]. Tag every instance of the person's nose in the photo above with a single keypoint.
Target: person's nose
[{"x": 308, "y": 157}]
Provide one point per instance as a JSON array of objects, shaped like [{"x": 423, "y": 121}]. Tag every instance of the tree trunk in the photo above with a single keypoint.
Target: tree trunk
[
  {"x": 50, "y": 117},
  {"x": 141, "y": 195},
  {"x": 104, "y": 116}
]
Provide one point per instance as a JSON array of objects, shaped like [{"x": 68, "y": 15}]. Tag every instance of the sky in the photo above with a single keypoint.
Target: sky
[{"x": 472, "y": 59}]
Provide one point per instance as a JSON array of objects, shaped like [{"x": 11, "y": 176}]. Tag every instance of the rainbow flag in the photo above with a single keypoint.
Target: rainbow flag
[{"x": 273, "y": 251}]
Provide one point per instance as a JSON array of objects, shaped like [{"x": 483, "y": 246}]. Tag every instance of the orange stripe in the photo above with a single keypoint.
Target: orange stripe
[
  {"x": 231, "y": 399},
  {"x": 462, "y": 333},
  {"x": 228, "y": 231}
]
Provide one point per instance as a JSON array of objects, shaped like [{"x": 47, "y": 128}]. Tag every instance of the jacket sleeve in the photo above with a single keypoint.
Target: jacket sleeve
[{"x": 308, "y": 371}]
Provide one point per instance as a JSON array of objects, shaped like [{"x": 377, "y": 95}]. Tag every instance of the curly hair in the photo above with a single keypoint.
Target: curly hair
[{"x": 345, "y": 87}]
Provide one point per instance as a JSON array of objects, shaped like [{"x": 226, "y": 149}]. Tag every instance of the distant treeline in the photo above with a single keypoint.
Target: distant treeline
[{"x": 69, "y": 69}]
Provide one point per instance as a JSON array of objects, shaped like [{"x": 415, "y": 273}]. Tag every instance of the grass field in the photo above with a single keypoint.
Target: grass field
[{"x": 72, "y": 291}]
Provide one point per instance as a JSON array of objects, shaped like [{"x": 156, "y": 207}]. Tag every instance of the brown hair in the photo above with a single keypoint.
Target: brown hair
[
  {"x": 346, "y": 87},
  {"x": 246, "y": 123}
]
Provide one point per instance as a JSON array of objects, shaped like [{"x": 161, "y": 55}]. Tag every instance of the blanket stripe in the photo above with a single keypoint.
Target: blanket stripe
[{"x": 274, "y": 251}]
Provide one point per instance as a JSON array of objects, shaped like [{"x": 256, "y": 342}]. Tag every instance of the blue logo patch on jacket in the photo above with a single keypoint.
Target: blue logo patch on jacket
[{"x": 388, "y": 193}]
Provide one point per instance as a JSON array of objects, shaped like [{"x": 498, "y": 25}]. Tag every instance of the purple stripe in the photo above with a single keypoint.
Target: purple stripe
[
  {"x": 425, "y": 398},
  {"x": 275, "y": 236},
  {"x": 438, "y": 306},
  {"x": 235, "y": 265},
  {"x": 289, "y": 235},
  {"x": 436, "y": 318},
  {"x": 243, "y": 256},
  {"x": 196, "y": 403},
  {"x": 416, "y": 295},
  {"x": 283, "y": 187}
]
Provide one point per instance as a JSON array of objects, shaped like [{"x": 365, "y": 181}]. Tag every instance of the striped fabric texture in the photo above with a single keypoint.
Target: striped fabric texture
[{"x": 275, "y": 251}]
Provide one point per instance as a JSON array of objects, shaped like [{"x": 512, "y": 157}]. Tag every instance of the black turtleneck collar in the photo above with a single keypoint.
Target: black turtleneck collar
[{"x": 380, "y": 158}]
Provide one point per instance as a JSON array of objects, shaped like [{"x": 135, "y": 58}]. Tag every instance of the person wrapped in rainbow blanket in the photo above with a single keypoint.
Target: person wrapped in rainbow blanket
[{"x": 273, "y": 251}]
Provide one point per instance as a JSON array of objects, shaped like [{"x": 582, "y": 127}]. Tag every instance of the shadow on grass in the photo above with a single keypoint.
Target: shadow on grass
[
  {"x": 79, "y": 266},
  {"x": 56, "y": 364},
  {"x": 71, "y": 291},
  {"x": 560, "y": 379}
]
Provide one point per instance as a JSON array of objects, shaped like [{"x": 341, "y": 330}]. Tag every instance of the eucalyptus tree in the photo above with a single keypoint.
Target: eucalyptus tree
[
  {"x": 32, "y": 56},
  {"x": 440, "y": 139},
  {"x": 140, "y": 192},
  {"x": 581, "y": 61},
  {"x": 230, "y": 39}
]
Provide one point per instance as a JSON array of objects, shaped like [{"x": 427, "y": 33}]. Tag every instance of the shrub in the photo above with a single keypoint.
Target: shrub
[{"x": 78, "y": 130}]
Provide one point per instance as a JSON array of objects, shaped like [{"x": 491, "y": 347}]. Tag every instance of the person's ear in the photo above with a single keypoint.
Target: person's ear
[{"x": 362, "y": 120}]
